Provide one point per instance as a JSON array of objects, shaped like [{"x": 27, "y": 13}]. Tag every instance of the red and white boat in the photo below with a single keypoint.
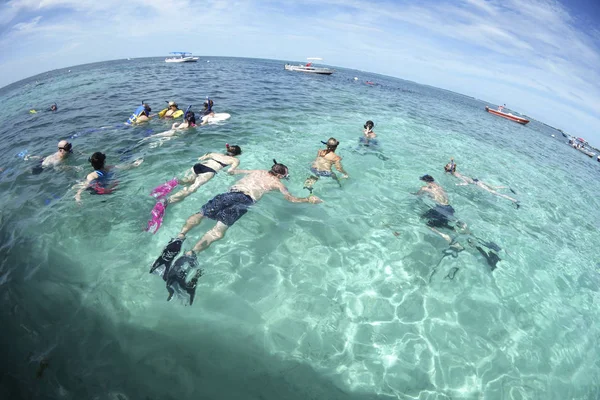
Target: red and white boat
[{"x": 503, "y": 114}]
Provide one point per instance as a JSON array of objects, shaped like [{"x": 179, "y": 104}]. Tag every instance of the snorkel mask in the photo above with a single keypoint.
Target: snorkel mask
[{"x": 280, "y": 169}]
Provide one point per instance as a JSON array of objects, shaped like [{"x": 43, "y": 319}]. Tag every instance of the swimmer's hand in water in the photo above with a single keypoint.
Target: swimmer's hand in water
[
  {"x": 137, "y": 162},
  {"x": 345, "y": 176},
  {"x": 314, "y": 199}
]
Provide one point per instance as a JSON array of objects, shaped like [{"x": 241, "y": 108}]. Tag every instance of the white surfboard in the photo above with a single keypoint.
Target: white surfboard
[{"x": 218, "y": 117}]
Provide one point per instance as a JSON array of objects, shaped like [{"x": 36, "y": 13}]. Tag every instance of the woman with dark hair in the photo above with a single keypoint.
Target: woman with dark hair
[
  {"x": 322, "y": 165},
  {"x": 196, "y": 176},
  {"x": 99, "y": 181}
]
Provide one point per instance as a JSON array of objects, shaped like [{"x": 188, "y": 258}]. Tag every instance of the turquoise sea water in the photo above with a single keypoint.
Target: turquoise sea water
[{"x": 349, "y": 299}]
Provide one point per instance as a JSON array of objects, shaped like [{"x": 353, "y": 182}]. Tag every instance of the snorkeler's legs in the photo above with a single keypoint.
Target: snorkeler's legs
[
  {"x": 190, "y": 223},
  {"x": 199, "y": 181},
  {"x": 216, "y": 233},
  {"x": 335, "y": 178}
]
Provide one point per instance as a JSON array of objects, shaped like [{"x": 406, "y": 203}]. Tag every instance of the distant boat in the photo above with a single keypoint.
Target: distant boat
[
  {"x": 503, "y": 114},
  {"x": 181, "y": 57},
  {"x": 309, "y": 68}
]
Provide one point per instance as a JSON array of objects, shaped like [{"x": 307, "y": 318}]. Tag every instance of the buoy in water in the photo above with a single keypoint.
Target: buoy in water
[{"x": 355, "y": 78}]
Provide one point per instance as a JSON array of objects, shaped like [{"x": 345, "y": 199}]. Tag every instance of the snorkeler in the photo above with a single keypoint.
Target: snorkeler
[
  {"x": 172, "y": 109},
  {"x": 451, "y": 168},
  {"x": 368, "y": 132},
  {"x": 99, "y": 181},
  {"x": 64, "y": 151},
  {"x": 226, "y": 208},
  {"x": 321, "y": 167},
  {"x": 441, "y": 216},
  {"x": 141, "y": 114},
  {"x": 197, "y": 176}
]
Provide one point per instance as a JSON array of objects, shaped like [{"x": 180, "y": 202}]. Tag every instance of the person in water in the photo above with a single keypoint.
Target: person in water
[
  {"x": 207, "y": 110},
  {"x": 144, "y": 115},
  {"x": 197, "y": 176},
  {"x": 441, "y": 216},
  {"x": 321, "y": 167},
  {"x": 65, "y": 149},
  {"x": 188, "y": 122},
  {"x": 368, "y": 132},
  {"x": 54, "y": 107},
  {"x": 172, "y": 109},
  {"x": 226, "y": 208},
  {"x": 98, "y": 181},
  {"x": 451, "y": 169}
]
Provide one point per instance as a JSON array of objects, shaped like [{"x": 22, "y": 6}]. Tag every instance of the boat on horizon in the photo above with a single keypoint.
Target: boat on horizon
[
  {"x": 506, "y": 115},
  {"x": 309, "y": 68},
  {"x": 181, "y": 57}
]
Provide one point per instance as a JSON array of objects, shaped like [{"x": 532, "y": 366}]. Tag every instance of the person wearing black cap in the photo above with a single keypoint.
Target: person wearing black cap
[
  {"x": 322, "y": 165},
  {"x": 226, "y": 208}
]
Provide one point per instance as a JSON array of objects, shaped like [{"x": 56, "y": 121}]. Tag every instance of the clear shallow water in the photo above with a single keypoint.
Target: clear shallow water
[{"x": 348, "y": 299}]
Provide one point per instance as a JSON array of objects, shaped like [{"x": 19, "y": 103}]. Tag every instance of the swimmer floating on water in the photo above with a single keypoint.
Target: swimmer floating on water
[
  {"x": 197, "y": 176},
  {"x": 441, "y": 216},
  {"x": 451, "y": 168},
  {"x": 321, "y": 167},
  {"x": 226, "y": 208},
  {"x": 99, "y": 181}
]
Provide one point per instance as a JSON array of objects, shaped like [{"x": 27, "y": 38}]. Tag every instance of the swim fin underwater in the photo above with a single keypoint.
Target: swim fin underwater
[
  {"x": 166, "y": 258},
  {"x": 176, "y": 277}
]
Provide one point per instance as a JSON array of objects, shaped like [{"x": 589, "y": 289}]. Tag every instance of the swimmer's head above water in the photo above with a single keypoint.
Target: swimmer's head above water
[
  {"x": 331, "y": 144},
  {"x": 190, "y": 117},
  {"x": 369, "y": 125},
  {"x": 450, "y": 167},
  {"x": 427, "y": 178},
  {"x": 233, "y": 150},
  {"x": 97, "y": 160},
  {"x": 279, "y": 170}
]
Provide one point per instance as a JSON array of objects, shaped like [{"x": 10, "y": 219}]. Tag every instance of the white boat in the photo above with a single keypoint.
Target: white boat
[
  {"x": 181, "y": 57},
  {"x": 309, "y": 68}
]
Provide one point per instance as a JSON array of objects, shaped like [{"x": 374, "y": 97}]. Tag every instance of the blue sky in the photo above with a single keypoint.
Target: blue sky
[{"x": 540, "y": 57}]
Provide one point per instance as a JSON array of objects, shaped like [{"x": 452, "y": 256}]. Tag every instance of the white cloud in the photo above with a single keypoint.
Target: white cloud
[{"x": 26, "y": 27}]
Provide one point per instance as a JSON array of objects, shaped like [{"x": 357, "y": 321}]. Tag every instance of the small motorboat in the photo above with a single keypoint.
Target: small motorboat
[
  {"x": 181, "y": 57},
  {"x": 309, "y": 68},
  {"x": 503, "y": 114}
]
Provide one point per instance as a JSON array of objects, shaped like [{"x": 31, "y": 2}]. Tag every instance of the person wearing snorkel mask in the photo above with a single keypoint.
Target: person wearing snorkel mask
[
  {"x": 144, "y": 115},
  {"x": 451, "y": 169},
  {"x": 226, "y": 208},
  {"x": 322, "y": 165},
  {"x": 189, "y": 122},
  {"x": 54, "y": 160},
  {"x": 196, "y": 176},
  {"x": 369, "y": 133}
]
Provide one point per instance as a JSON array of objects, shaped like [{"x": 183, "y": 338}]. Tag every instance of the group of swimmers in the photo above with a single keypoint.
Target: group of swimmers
[
  {"x": 142, "y": 114},
  {"x": 227, "y": 208}
]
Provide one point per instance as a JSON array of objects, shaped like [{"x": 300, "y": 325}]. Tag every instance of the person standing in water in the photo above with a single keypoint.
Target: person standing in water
[
  {"x": 225, "y": 208},
  {"x": 197, "y": 176},
  {"x": 322, "y": 165},
  {"x": 451, "y": 169}
]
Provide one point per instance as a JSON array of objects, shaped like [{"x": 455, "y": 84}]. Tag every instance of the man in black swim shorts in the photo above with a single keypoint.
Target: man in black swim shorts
[{"x": 226, "y": 208}]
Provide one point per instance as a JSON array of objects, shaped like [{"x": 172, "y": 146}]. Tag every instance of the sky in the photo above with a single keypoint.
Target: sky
[{"x": 539, "y": 57}]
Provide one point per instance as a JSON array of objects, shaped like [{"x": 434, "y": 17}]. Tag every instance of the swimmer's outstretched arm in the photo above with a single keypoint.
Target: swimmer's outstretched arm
[
  {"x": 293, "y": 199},
  {"x": 338, "y": 166},
  {"x": 235, "y": 163},
  {"x": 134, "y": 164},
  {"x": 242, "y": 171}
]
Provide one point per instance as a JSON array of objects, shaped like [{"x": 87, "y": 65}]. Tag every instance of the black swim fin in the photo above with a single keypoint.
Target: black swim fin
[
  {"x": 178, "y": 273},
  {"x": 491, "y": 258},
  {"x": 168, "y": 255}
]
